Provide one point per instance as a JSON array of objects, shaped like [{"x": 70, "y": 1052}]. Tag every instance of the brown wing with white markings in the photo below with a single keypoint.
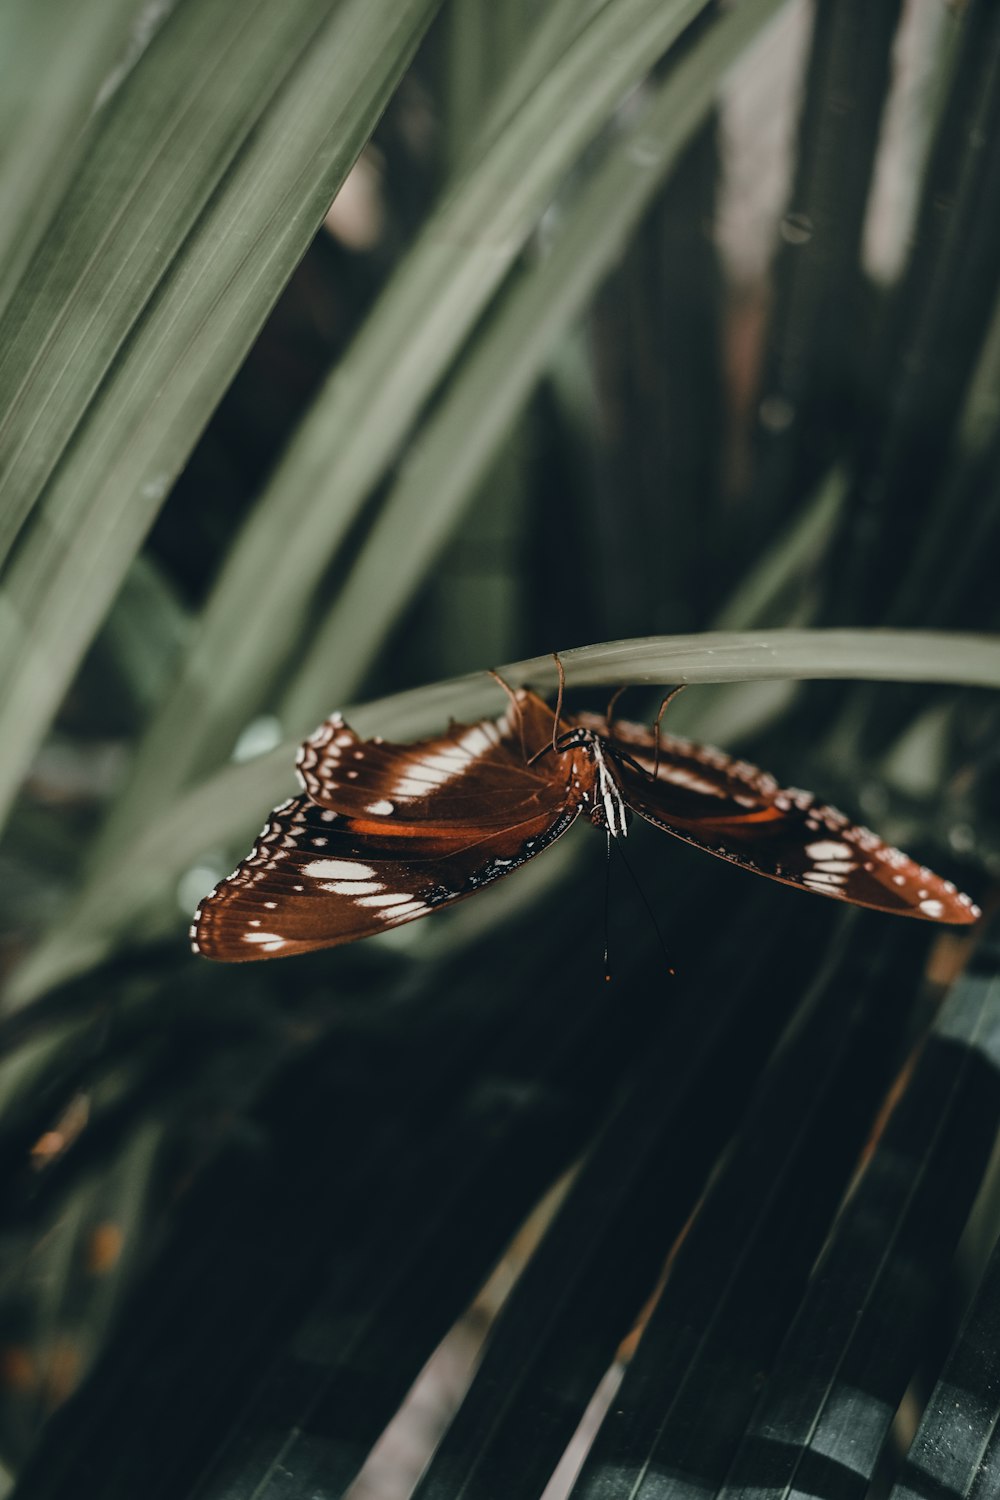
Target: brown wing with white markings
[
  {"x": 415, "y": 828},
  {"x": 474, "y": 774},
  {"x": 735, "y": 811}
]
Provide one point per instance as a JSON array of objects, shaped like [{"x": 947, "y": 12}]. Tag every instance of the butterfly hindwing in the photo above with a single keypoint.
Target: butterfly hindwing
[
  {"x": 735, "y": 811},
  {"x": 316, "y": 879}
]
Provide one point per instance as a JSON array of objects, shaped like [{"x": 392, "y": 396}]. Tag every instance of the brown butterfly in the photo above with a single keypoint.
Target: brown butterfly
[{"x": 387, "y": 833}]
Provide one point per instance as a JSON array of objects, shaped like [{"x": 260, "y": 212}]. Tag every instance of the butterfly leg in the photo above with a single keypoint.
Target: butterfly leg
[
  {"x": 656, "y": 726},
  {"x": 557, "y": 717},
  {"x": 610, "y": 711},
  {"x": 559, "y": 699},
  {"x": 516, "y": 707}
]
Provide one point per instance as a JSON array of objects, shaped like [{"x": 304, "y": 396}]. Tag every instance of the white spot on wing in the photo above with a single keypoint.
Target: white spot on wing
[
  {"x": 475, "y": 741},
  {"x": 438, "y": 767},
  {"x": 382, "y": 808},
  {"x": 337, "y": 869},
  {"x": 932, "y": 908},
  {"x": 827, "y": 849},
  {"x": 411, "y": 909},
  {"x": 387, "y": 900},
  {"x": 408, "y": 788}
]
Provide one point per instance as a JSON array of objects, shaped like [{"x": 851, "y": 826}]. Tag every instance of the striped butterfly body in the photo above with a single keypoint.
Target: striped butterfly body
[{"x": 383, "y": 834}]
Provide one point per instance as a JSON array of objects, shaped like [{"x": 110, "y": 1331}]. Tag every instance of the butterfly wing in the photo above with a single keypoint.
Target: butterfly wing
[
  {"x": 734, "y": 810},
  {"x": 473, "y": 774},
  {"x": 314, "y": 881},
  {"x": 415, "y": 828}
]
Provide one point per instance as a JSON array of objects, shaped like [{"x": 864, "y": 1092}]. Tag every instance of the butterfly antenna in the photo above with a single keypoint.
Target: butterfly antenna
[
  {"x": 656, "y": 726},
  {"x": 512, "y": 695},
  {"x": 645, "y": 901}
]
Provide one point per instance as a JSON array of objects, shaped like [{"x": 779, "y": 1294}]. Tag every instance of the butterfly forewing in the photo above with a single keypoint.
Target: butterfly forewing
[
  {"x": 477, "y": 775},
  {"x": 416, "y": 828},
  {"x": 739, "y": 813}
]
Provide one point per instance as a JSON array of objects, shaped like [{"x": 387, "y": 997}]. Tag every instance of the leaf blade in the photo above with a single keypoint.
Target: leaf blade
[
  {"x": 205, "y": 316},
  {"x": 53, "y": 58},
  {"x": 161, "y": 148}
]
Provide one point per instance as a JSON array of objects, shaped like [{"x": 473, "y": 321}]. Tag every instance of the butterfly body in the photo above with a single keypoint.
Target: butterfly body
[
  {"x": 383, "y": 834},
  {"x": 587, "y": 764}
]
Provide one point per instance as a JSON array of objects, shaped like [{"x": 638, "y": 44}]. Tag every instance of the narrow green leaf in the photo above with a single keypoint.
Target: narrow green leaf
[
  {"x": 956, "y": 1451},
  {"x": 491, "y": 384},
  {"x": 54, "y": 57},
  {"x": 161, "y": 148},
  {"x": 980, "y": 417},
  {"x": 145, "y": 633},
  {"x": 831, "y": 1393},
  {"x": 563, "y": 21},
  {"x": 466, "y": 82},
  {"x": 354, "y": 427},
  {"x": 226, "y": 807},
  {"x": 205, "y": 316}
]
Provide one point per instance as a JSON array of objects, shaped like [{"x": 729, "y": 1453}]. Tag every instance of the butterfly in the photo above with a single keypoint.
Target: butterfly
[{"x": 383, "y": 834}]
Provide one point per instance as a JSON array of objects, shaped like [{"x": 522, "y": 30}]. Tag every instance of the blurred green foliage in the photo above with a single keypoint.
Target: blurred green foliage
[{"x": 631, "y": 320}]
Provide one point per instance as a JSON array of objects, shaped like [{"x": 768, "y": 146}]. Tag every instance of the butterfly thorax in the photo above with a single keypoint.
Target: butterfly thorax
[{"x": 594, "y": 779}]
